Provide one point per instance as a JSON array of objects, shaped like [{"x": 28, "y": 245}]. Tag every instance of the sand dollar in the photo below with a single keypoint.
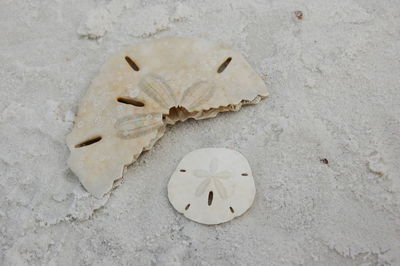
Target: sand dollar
[
  {"x": 212, "y": 185},
  {"x": 143, "y": 88}
]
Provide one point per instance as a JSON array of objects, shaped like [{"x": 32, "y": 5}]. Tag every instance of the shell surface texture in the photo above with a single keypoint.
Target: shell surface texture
[
  {"x": 212, "y": 186},
  {"x": 146, "y": 86}
]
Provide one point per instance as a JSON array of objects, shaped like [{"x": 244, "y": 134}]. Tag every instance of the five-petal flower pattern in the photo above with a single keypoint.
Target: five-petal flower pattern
[{"x": 212, "y": 176}]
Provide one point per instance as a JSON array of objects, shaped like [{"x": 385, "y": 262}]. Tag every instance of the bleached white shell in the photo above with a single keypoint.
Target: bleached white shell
[
  {"x": 146, "y": 86},
  {"x": 212, "y": 186}
]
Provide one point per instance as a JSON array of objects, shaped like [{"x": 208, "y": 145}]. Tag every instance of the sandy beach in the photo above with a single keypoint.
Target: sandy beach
[{"x": 324, "y": 146}]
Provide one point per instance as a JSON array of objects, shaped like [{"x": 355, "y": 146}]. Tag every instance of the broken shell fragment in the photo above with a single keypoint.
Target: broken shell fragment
[
  {"x": 146, "y": 86},
  {"x": 212, "y": 186}
]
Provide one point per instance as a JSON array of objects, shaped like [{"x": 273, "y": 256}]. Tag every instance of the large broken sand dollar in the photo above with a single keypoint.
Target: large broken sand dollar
[
  {"x": 146, "y": 86},
  {"x": 212, "y": 186}
]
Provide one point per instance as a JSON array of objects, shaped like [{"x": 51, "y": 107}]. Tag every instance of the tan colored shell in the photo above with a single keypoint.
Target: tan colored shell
[{"x": 146, "y": 86}]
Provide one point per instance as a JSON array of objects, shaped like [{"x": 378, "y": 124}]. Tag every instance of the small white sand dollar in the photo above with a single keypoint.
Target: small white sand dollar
[{"x": 212, "y": 185}]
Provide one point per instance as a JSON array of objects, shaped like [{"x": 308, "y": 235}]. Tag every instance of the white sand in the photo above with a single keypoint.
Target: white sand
[{"x": 334, "y": 79}]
